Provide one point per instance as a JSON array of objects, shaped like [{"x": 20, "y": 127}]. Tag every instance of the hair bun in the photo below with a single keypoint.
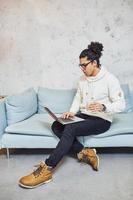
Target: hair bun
[{"x": 96, "y": 48}]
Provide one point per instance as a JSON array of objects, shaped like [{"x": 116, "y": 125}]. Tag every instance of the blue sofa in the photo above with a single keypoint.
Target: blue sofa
[{"x": 25, "y": 124}]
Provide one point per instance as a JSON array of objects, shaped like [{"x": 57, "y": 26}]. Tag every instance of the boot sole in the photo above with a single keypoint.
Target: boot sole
[
  {"x": 96, "y": 169},
  {"x": 94, "y": 151},
  {"x": 97, "y": 160},
  {"x": 31, "y": 187}
]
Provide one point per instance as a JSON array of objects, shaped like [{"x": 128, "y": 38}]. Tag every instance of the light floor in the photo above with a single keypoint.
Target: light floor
[{"x": 72, "y": 180}]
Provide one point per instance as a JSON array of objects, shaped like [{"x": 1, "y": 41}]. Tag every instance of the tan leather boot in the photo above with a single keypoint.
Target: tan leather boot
[
  {"x": 89, "y": 156},
  {"x": 40, "y": 176}
]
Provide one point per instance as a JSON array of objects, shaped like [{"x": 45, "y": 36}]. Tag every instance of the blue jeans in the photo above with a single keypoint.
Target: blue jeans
[{"x": 67, "y": 133}]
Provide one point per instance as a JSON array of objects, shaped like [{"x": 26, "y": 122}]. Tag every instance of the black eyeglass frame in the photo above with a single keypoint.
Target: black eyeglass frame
[{"x": 85, "y": 65}]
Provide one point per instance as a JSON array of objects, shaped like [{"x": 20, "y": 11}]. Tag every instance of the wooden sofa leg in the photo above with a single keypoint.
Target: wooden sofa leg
[{"x": 7, "y": 153}]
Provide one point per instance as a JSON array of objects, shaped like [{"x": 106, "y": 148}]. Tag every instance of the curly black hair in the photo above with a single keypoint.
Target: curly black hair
[{"x": 93, "y": 52}]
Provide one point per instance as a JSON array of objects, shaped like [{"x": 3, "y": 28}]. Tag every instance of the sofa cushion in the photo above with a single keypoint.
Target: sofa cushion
[
  {"x": 57, "y": 100},
  {"x": 122, "y": 124},
  {"x": 21, "y": 106},
  {"x": 119, "y": 134},
  {"x": 128, "y": 100},
  {"x": 38, "y": 124}
]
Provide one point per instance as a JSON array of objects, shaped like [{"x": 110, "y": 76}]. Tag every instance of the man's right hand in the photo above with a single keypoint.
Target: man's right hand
[{"x": 67, "y": 115}]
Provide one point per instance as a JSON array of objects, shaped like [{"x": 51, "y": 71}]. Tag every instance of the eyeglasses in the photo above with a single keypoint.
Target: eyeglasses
[{"x": 84, "y": 65}]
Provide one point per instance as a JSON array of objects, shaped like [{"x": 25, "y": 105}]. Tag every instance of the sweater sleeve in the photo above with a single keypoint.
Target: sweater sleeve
[
  {"x": 116, "y": 96},
  {"x": 76, "y": 101}
]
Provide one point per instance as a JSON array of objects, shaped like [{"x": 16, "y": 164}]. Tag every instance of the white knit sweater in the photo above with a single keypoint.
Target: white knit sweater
[{"x": 103, "y": 88}]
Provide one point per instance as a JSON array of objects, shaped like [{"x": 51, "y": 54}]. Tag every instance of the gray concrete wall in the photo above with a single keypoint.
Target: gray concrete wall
[{"x": 40, "y": 41}]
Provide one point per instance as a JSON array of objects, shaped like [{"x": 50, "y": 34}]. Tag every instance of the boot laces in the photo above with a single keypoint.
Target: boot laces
[{"x": 39, "y": 169}]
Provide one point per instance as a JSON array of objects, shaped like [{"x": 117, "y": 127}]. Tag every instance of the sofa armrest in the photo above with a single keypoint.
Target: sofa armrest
[
  {"x": 3, "y": 121},
  {"x": 131, "y": 95}
]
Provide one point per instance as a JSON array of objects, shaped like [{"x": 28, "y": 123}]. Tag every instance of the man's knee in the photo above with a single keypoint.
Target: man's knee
[
  {"x": 56, "y": 129},
  {"x": 54, "y": 125}
]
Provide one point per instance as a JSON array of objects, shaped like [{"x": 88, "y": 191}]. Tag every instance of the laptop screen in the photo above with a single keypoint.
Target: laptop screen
[{"x": 51, "y": 113}]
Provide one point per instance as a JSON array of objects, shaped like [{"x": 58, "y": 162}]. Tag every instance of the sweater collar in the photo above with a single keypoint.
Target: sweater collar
[{"x": 99, "y": 76}]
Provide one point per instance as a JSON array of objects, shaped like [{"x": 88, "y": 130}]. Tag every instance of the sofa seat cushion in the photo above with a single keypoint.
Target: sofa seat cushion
[
  {"x": 122, "y": 124},
  {"x": 38, "y": 124}
]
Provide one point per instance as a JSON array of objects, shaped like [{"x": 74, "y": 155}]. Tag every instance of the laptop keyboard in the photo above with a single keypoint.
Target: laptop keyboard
[{"x": 65, "y": 120}]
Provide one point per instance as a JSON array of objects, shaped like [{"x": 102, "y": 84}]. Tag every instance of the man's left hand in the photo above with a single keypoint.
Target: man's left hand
[{"x": 95, "y": 107}]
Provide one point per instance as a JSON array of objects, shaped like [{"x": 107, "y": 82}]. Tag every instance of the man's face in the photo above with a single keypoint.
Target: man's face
[{"x": 87, "y": 66}]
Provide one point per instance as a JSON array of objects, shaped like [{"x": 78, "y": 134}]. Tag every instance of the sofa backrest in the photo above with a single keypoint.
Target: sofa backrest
[
  {"x": 21, "y": 106},
  {"x": 127, "y": 95},
  {"x": 58, "y": 100}
]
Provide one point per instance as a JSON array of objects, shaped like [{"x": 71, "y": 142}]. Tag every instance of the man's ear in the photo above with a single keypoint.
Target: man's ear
[{"x": 94, "y": 62}]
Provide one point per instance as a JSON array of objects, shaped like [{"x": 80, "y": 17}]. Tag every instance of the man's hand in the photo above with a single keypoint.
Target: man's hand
[
  {"x": 95, "y": 107},
  {"x": 67, "y": 115}
]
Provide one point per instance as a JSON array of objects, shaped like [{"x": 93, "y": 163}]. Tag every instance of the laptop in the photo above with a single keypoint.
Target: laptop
[{"x": 61, "y": 120}]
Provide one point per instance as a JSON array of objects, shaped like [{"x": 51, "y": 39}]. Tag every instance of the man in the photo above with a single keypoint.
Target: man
[{"x": 98, "y": 97}]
